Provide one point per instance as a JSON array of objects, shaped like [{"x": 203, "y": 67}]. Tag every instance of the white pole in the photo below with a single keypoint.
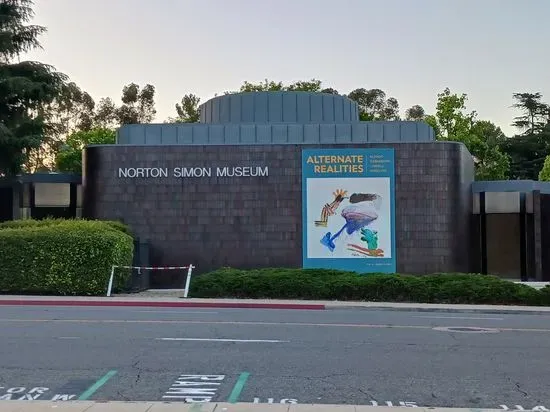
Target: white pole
[
  {"x": 188, "y": 281},
  {"x": 110, "y": 287}
]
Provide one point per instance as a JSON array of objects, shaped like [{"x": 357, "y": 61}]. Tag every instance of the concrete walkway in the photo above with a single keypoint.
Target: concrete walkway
[
  {"x": 85, "y": 406},
  {"x": 140, "y": 300}
]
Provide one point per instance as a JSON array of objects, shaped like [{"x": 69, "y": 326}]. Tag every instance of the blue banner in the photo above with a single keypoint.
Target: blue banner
[{"x": 348, "y": 209}]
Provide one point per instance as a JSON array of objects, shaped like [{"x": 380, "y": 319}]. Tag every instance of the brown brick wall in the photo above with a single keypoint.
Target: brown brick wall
[{"x": 256, "y": 222}]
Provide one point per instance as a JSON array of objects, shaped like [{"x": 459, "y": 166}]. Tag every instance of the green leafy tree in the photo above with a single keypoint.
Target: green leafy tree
[
  {"x": 138, "y": 105},
  {"x": 370, "y": 102},
  {"x": 527, "y": 154},
  {"x": 452, "y": 122},
  {"x": 535, "y": 114},
  {"x": 544, "y": 174},
  {"x": 491, "y": 162},
  {"x": 26, "y": 88},
  {"x": 528, "y": 150},
  {"x": 105, "y": 115},
  {"x": 72, "y": 110},
  {"x": 69, "y": 158},
  {"x": 265, "y": 86},
  {"x": 415, "y": 113},
  {"x": 188, "y": 110},
  {"x": 373, "y": 104},
  {"x": 312, "y": 85}
]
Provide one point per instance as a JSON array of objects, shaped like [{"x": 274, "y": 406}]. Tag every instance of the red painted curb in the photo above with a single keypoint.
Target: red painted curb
[{"x": 115, "y": 303}]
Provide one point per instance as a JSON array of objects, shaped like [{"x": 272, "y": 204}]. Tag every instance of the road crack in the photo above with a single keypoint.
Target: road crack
[{"x": 518, "y": 388}]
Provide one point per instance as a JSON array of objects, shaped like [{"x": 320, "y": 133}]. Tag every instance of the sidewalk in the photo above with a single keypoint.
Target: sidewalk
[
  {"x": 139, "y": 300},
  {"x": 85, "y": 406}
]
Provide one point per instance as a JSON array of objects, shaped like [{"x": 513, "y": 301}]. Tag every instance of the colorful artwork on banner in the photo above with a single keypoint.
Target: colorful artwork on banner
[{"x": 348, "y": 211}]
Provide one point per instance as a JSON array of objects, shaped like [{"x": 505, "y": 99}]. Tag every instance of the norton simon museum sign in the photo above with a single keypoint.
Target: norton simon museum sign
[{"x": 192, "y": 172}]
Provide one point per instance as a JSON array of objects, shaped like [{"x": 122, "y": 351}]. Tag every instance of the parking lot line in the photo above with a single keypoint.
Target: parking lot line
[
  {"x": 238, "y": 388},
  {"x": 99, "y": 383}
]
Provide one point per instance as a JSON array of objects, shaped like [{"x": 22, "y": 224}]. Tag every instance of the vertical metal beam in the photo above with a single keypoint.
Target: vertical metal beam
[
  {"x": 483, "y": 232},
  {"x": 522, "y": 238},
  {"x": 72, "y": 200},
  {"x": 32, "y": 200}
]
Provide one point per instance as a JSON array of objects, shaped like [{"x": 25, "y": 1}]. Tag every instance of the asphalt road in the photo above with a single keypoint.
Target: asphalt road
[{"x": 335, "y": 356}]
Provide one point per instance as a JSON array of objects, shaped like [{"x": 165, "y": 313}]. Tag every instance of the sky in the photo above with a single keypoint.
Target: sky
[{"x": 488, "y": 49}]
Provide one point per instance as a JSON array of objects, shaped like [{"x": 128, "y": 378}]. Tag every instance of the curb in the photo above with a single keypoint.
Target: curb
[
  {"x": 156, "y": 304},
  {"x": 83, "y": 406},
  {"x": 488, "y": 311}
]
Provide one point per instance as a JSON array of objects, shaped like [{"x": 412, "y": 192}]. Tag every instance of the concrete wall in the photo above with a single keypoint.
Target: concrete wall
[{"x": 256, "y": 222}]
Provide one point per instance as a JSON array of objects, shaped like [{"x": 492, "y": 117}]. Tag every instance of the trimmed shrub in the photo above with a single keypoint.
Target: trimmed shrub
[
  {"x": 323, "y": 284},
  {"x": 31, "y": 223},
  {"x": 68, "y": 257}
]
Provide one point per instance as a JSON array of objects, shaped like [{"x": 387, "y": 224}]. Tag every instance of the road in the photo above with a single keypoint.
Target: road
[{"x": 275, "y": 356}]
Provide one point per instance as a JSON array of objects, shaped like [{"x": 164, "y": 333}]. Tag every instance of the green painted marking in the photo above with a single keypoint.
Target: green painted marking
[
  {"x": 93, "y": 389},
  {"x": 238, "y": 388},
  {"x": 196, "y": 407}
]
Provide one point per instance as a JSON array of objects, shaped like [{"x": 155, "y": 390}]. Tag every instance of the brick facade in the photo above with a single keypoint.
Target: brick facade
[{"x": 256, "y": 222}]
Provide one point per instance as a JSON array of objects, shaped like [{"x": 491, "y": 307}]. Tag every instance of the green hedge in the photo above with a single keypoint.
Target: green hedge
[
  {"x": 275, "y": 283},
  {"x": 31, "y": 223},
  {"x": 63, "y": 257}
]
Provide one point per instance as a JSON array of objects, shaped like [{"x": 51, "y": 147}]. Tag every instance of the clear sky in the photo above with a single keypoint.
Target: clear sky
[{"x": 412, "y": 50}]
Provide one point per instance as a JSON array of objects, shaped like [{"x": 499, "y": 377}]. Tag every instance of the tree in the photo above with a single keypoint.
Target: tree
[
  {"x": 188, "y": 110},
  {"x": 106, "y": 113},
  {"x": 312, "y": 85},
  {"x": 390, "y": 111},
  {"x": 370, "y": 102},
  {"x": 69, "y": 158},
  {"x": 329, "y": 90},
  {"x": 305, "y": 86},
  {"x": 373, "y": 104},
  {"x": 266, "y": 86},
  {"x": 415, "y": 113},
  {"x": 491, "y": 162},
  {"x": 529, "y": 149},
  {"x": 527, "y": 154},
  {"x": 544, "y": 174},
  {"x": 138, "y": 105},
  {"x": 452, "y": 122},
  {"x": 72, "y": 110},
  {"x": 26, "y": 88},
  {"x": 535, "y": 114}
]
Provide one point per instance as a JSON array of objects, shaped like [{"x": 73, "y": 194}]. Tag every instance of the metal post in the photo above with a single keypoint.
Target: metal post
[
  {"x": 483, "y": 230},
  {"x": 110, "y": 287},
  {"x": 524, "y": 276},
  {"x": 188, "y": 281}
]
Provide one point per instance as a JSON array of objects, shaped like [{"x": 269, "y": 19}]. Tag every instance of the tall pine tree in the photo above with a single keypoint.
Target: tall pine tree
[{"x": 26, "y": 87}]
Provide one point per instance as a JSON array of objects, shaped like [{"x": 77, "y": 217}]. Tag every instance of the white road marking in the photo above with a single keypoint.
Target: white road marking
[
  {"x": 224, "y": 340},
  {"x": 457, "y": 317},
  {"x": 194, "y": 388},
  {"x": 181, "y": 312}
]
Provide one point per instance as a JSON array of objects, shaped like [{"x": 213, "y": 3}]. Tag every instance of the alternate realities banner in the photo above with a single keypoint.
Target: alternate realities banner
[{"x": 348, "y": 209}]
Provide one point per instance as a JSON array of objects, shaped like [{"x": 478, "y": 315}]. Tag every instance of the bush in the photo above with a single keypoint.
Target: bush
[
  {"x": 31, "y": 223},
  {"x": 64, "y": 257},
  {"x": 324, "y": 284}
]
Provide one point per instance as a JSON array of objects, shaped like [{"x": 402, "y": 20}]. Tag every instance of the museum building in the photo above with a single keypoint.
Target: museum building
[{"x": 294, "y": 179}]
